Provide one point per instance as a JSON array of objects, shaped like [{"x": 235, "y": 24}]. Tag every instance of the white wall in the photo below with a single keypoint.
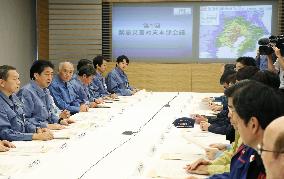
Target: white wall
[{"x": 18, "y": 35}]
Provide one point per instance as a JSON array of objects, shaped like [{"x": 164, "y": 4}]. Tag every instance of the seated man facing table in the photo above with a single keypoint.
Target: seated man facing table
[
  {"x": 63, "y": 92},
  {"x": 13, "y": 125},
  {"x": 117, "y": 81},
  {"x": 92, "y": 89},
  {"x": 37, "y": 99},
  {"x": 252, "y": 117},
  {"x": 80, "y": 84},
  {"x": 100, "y": 64}
]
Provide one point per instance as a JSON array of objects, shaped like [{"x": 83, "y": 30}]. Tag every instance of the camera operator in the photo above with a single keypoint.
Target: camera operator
[
  {"x": 261, "y": 61},
  {"x": 262, "y": 53},
  {"x": 278, "y": 66}
]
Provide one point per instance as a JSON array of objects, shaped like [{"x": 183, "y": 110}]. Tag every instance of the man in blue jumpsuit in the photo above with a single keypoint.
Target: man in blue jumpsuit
[
  {"x": 117, "y": 81},
  {"x": 81, "y": 82},
  {"x": 13, "y": 125},
  {"x": 100, "y": 64},
  {"x": 37, "y": 100},
  {"x": 63, "y": 92}
]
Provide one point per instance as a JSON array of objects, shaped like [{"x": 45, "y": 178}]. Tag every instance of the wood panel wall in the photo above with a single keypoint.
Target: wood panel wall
[
  {"x": 75, "y": 29},
  {"x": 174, "y": 77},
  {"x": 42, "y": 29}
]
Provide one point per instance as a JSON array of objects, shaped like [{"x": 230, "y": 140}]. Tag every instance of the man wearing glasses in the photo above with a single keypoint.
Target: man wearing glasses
[
  {"x": 256, "y": 106},
  {"x": 272, "y": 149}
]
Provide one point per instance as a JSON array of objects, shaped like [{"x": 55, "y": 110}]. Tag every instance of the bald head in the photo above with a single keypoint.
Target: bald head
[
  {"x": 273, "y": 149},
  {"x": 275, "y": 124},
  {"x": 66, "y": 70},
  {"x": 275, "y": 133}
]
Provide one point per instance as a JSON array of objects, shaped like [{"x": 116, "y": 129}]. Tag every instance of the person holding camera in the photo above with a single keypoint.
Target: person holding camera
[
  {"x": 261, "y": 61},
  {"x": 278, "y": 66},
  {"x": 264, "y": 49}
]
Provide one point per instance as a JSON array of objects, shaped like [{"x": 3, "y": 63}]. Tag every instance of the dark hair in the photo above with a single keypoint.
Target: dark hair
[
  {"x": 246, "y": 61},
  {"x": 267, "y": 77},
  {"x": 98, "y": 60},
  {"x": 38, "y": 67},
  {"x": 224, "y": 78},
  {"x": 246, "y": 73},
  {"x": 121, "y": 58},
  {"x": 258, "y": 100},
  {"x": 229, "y": 92},
  {"x": 86, "y": 70},
  {"x": 232, "y": 78},
  {"x": 4, "y": 69},
  {"x": 83, "y": 62},
  {"x": 229, "y": 67}
]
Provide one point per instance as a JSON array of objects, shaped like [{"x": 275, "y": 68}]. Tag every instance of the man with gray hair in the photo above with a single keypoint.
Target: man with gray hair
[
  {"x": 63, "y": 92},
  {"x": 272, "y": 149}
]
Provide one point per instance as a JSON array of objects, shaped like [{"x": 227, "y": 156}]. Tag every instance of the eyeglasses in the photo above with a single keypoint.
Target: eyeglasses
[{"x": 260, "y": 149}]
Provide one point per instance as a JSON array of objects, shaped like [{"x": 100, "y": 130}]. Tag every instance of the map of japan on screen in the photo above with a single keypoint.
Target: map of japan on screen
[{"x": 232, "y": 31}]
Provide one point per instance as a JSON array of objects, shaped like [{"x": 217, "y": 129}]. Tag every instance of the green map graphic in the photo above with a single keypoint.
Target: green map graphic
[{"x": 237, "y": 28}]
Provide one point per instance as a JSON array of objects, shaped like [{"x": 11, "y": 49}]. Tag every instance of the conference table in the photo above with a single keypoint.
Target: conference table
[{"x": 132, "y": 138}]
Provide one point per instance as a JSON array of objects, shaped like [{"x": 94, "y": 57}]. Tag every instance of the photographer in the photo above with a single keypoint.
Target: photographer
[
  {"x": 278, "y": 66},
  {"x": 261, "y": 61},
  {"x": 262, "y": 53}
]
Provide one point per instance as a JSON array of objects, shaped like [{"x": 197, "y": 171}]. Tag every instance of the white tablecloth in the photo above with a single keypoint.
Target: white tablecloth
[{"x": 98, "y": 149}]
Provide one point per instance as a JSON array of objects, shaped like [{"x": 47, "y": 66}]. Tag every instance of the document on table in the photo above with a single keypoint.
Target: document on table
[
  {"x": 172, "y": 147},
  {"x": 9, "y": 169},
  {"x": 166, "y": 169},
  {"x": 178, "y": 156},
  {"x": 27, "y": 150},
  {"x": 102, "y": 106},
  {"x": 205, "y": 112},
  {"x": 62, "y": 134}
]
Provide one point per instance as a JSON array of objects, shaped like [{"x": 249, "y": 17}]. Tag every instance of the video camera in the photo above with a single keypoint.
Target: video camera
[{"x": 266, "y": 44}]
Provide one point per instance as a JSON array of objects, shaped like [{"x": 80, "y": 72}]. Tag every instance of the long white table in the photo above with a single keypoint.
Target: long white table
[{"x": 97, "y": 147}]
